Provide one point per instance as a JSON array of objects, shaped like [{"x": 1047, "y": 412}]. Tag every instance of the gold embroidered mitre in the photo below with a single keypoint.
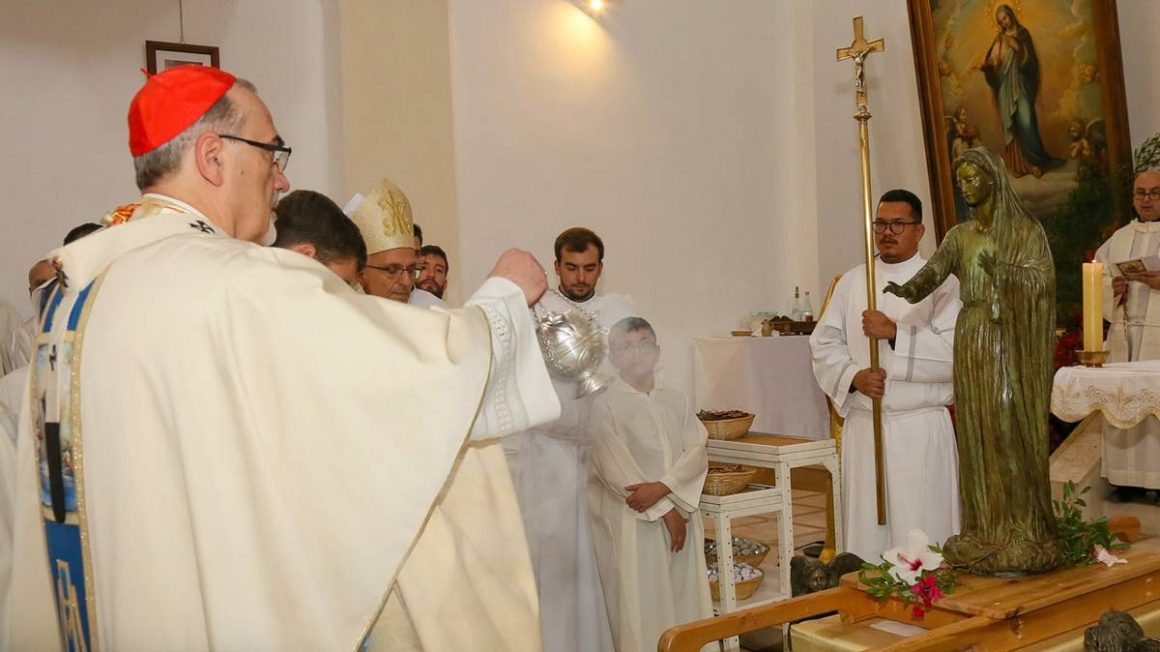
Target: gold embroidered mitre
[{"x": 384, "y": 219}]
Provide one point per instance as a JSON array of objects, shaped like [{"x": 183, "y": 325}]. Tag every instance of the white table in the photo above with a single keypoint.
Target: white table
[
  {"x": 780, "y": 454},
  {"x": 1127, "y": 396},
  {"x": 772, "y": 377},
  {"x": 758, "y": 499}
]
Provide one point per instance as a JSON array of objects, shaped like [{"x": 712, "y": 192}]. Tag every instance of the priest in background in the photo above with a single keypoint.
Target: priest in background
[
  {"x": 226, "y": 447},
  {"x": 312, "y": 224},
  {"x": 1131, "y": 457},
  {"x": 914, "y": 381},
  {"x": 385, "y": 221},
  {"x": 550, "y": 467}
]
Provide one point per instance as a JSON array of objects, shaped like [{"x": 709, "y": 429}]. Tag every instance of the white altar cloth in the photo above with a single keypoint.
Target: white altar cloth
[
  {"x": 1127, "y": 396},
  {"x": 1125, "y": 392}
]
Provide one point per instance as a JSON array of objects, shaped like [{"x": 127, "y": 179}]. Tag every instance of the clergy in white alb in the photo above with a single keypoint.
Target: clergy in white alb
[
  {"x": 212, "y": 417},
  {"x": 648, "y": 469},
  {"x": 549, "y": 464},
  {"x": 915, "y": 353},
  {"x": 1131, "y": 457}
]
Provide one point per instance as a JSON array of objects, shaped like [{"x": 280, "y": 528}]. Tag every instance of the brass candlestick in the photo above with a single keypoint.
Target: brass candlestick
[{"x": 1092, "y": 358}]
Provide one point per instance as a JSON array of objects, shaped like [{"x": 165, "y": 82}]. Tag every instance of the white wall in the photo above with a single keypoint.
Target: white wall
[
  {"x": 679, "y": 130},
  {"x": 69, "y": 69}
]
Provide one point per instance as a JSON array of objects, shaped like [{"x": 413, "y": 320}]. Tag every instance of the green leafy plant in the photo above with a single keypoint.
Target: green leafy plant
[{"x": 1078, "y": 537}]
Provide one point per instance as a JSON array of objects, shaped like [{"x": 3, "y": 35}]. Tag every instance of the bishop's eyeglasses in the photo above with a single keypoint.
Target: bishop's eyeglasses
[
  {"x": 1153, "y": 194},
  {"x": 894, "y": 227},
  {"x": 394, "y": 271},
  {"x": 279, "y": 149}
]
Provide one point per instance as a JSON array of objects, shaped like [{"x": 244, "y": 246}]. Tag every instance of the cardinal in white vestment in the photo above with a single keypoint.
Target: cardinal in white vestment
[
  {"x": 915, "y": 385},
  {"x": 550, "y": 467},
  {"x": 648, "y": 469},
  {"x": 209, "y": 426},
  {"x": 1131, "y": 457}
]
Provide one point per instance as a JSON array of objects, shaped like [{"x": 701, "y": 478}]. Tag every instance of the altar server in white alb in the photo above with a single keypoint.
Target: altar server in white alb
[
  {"x": 914, "y": 382},
  {"x": 228, "y": 448},
  {"x": 648, "y": 469},
  {"x": 1131, "y": 457},
  {"x": 550, "y": 467}
]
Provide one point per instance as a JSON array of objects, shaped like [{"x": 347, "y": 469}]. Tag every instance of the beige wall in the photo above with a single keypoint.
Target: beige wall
[
  {"x": 396, "y": 99},
  {"x": 681, "y": 131},
  {"x": 69, "y": 69}
]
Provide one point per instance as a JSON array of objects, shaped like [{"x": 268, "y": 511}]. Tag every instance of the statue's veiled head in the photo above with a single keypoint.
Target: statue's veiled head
[
  {"x": 975, "y": 182},
  {"x": 982, "y": 178}
]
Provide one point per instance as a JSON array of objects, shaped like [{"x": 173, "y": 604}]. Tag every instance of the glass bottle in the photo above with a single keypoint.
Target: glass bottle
[
  {"x": 807, "y": 308},
  {"x": 795, "y": 312}
]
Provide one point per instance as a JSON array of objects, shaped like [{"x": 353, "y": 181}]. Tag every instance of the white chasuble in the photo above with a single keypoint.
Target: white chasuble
[
  {"x": 549, "y": 465},
  {"x": 257, "y": 446},
  {"x": 921, "y": 458},
  {"x": 639, "y": 438}
]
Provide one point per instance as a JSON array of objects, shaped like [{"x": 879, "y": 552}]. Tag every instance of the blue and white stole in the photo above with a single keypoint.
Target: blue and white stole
[{"x": 60, "y": 463}]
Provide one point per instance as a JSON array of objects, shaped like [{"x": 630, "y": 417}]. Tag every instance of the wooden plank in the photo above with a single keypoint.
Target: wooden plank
[{"x": 1000, "y": 598}]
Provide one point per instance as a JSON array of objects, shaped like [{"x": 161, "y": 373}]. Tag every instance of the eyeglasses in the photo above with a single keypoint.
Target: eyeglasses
[
  {"x": 280, "y": 151},
  {"x": 1153, "y": 194},
  {"x": 639, "y": 347},
  {"x": 894, "y": 227},
  {"x": 394, "y": 271}
]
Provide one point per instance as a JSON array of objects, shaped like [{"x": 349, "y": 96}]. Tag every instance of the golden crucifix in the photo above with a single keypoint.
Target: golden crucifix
[{"x": 858, "y": 51}]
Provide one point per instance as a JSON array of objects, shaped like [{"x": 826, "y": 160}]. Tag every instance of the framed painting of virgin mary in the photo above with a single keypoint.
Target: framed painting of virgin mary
[{"x": 1039, "y": 82}]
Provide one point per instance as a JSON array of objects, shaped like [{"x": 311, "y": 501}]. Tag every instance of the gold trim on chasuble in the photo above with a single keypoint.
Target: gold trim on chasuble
[
  {"x": 505, "y": 336},
  {"x": 63, "y": 507}
]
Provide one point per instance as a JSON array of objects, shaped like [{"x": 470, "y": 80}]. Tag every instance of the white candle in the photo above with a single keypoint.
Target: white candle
[{"x": 1093, "y": 306}]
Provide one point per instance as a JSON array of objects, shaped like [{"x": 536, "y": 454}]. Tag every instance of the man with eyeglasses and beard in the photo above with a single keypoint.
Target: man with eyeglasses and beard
[
  {"x": 384, "y": 219},
  {"x": 1131, "y": 457},
  {"x": 914, "y": 382}
]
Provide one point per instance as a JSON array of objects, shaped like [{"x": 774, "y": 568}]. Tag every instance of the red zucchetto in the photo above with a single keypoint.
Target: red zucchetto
[{"x": 170, "y": 102}]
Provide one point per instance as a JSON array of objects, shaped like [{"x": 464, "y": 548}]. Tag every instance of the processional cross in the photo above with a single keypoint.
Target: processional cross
[{"x": 858, "y": 51}]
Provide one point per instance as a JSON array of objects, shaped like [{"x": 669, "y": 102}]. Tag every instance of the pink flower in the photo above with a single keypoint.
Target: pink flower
[
  {"x": 927, "y": 589},
  {"x": 1101, "y": 554},
  {"x": 917, "y": 612}
]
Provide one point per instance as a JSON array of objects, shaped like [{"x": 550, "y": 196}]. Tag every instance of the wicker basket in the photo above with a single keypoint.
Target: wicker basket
[
  {"x": 728, "y": 479},
  {"x": 743, "y": 589},
  {"x": 753, "y": 560},
  {"x": 729, "y": 428}
]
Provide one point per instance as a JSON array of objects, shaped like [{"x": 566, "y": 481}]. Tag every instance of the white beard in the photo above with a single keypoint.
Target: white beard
[{"x": 271, "y": 234}]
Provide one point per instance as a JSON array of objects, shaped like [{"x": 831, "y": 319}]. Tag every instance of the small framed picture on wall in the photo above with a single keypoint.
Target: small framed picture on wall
[{"x": 160, "y": 55}]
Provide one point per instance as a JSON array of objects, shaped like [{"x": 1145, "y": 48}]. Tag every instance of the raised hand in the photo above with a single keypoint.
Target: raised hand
[
  {"x": 898, "y": 290},
  {"x": 522, "y": 268}
]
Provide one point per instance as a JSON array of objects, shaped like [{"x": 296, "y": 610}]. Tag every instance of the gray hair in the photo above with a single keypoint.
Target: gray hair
[{"x": 224, "y": 116}]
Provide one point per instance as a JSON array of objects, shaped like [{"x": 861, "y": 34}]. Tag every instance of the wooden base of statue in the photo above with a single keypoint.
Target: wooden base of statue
[{"x": 989, "y": 613}]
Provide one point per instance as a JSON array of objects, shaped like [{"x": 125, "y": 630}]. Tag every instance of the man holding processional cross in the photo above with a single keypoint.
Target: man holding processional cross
[{"x": 899, "y": 461}]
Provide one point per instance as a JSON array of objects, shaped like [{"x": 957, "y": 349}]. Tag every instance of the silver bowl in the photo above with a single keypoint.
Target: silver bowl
[{"x": 573, "y": 349}]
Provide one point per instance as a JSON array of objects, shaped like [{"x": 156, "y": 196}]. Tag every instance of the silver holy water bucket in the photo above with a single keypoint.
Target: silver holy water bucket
[{"x": 573, "y": 349}]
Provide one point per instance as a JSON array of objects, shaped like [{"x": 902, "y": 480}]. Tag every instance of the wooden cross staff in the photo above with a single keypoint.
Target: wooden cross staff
[{"x": 858, "y": 51}]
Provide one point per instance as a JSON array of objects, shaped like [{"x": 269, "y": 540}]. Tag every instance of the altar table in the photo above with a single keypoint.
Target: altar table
[
  {"x": 771, "y": 377},
  {"x": 1127, "y": 396}
]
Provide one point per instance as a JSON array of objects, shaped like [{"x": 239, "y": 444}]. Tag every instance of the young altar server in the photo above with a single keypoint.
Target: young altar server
[
  {"x": 915, "y": 344},
  {"x": 648, "y": 468}
]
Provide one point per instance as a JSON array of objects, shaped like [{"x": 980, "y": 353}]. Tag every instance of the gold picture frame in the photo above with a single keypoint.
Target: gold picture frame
[{"x": 1054, "y": 66}]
